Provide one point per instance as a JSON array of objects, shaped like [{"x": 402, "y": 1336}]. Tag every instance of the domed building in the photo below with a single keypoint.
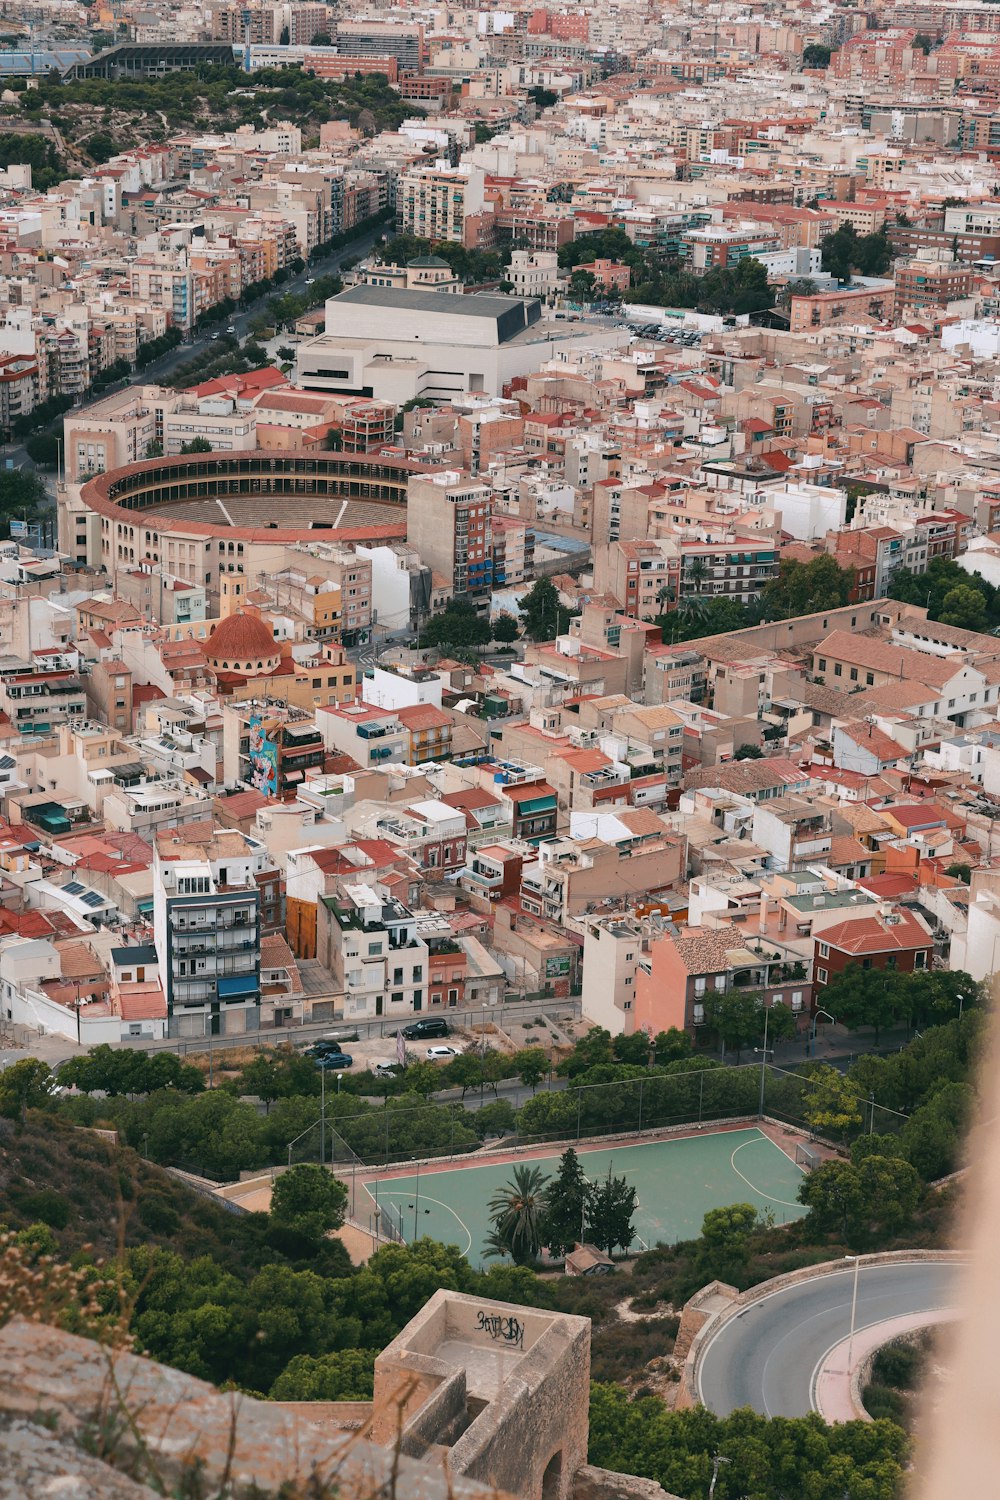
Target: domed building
[{"x": 243, "y": 645}]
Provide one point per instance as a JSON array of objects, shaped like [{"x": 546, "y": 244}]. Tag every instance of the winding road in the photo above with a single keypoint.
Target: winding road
[{"x": 767, "y": 1356}]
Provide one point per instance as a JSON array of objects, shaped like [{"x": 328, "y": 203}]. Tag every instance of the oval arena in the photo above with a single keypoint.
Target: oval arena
[{"x": 199, "y": 515}]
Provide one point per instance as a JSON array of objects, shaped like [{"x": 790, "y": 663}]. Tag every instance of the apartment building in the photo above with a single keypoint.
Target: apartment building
[
  {"x": 448, "y": 522},
  {"x": 207, "y": 929},
  {"x": 36, "y": 702},
  {"x": 369, "y": 944},
  {"x": 436, "y": 202}
]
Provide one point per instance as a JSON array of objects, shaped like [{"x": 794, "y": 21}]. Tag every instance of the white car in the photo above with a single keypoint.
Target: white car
[
  {"x": 310, "y": 281},
  {"x": 231, "y": 329},
  {"x": 435, "y": 1052}
]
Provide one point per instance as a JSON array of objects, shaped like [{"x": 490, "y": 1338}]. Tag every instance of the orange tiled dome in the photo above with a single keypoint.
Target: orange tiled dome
[{"x": 243, "y": 643}]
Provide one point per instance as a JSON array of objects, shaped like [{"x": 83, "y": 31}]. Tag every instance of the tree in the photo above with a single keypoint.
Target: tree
[
  {"x": 923, "y": 42},
  {"x": 749, "y": 752},
  {"x": 286, "y": 354},
  {"x": 25, "y": 1085},
  {"x": 458, "y": 626},
  {"x": 816, "y": 56},
  {"x": 736, "y": 1017},
  {"x": 531, "y": 1065},
  {"x": 807, "y": 588},
  {"x": 582, "y": 285},
  {"x": 154, "y": 449},
  {"x": 855, "y": 1201},
  {"x": 846, "y": 251},
  {"x": 864, "y": 997},
  {"x": 43, "y": 448},
  {"x": 565, "y": 1205},
  {"x": 725, "y": 1248},
  {"x": 464, "y": 1072},
  {"x": 965, "y": 608},
  {"x": 322, "y": 39},
  {"x": 505, "y": 629},
  {"x": 22, "y": 496},
  {"x": 344, "y": 1375},
  {"x": 310, "y": 1199},
  {"x": 516, "y": 1213},
  {"x": 101, "y": 145},
  {"x": 197, "y": 445},
  {"x": 540, "y": 610},
  {"x": 960, "y": 871},
  {"x": 611, "y": 1207},
  {"x": 671, "y": 1046},
  {"x": 495, "y": 1119},
  {"x": 833, "y": 1106},
  {"x": 593, "y": 1048}
]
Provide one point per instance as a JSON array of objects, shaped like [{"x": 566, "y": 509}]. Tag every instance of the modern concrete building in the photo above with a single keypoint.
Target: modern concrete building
[{"x": 397, "y": 345}]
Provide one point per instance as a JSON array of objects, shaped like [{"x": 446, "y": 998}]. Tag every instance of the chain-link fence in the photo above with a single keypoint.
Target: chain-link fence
[{"x": 401, "y": 1132}]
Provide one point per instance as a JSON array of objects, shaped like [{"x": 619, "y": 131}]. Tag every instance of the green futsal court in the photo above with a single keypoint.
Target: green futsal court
[{"x": 677, "y": 1182}]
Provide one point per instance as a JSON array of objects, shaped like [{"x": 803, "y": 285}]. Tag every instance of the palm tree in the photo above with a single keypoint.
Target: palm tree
[
  {"x": 516, "y": 1211},
  {"x": 697, "y": 572}
]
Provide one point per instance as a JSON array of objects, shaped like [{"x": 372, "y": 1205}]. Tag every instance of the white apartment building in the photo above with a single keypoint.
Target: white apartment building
[{"x": 372, "y": 948}]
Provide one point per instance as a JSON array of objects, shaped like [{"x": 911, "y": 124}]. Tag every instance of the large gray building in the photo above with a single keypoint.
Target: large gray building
[{"x": 396, "y": 345}]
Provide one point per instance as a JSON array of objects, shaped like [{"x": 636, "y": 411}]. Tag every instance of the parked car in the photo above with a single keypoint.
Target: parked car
[
  {"x": 231, "y": 330},
  {"x": 428, "y": 1026},
  {"x": 325, "y": 1048},
  {"x": 310, "y": 281},
  {"x": 336, "y": 1060},
  {"x": 435, "y": 1052}
]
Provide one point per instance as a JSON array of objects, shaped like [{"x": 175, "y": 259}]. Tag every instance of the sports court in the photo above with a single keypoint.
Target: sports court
[{"x": 677, "y": 1182}]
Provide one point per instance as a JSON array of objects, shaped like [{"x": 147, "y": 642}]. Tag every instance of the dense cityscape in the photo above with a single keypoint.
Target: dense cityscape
[{"x": 499, "y": 749}]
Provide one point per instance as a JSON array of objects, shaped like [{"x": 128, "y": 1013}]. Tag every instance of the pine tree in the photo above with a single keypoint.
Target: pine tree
[
  {"x": 565, "y": 1205},
  {"x": 610, "y": 1210}
]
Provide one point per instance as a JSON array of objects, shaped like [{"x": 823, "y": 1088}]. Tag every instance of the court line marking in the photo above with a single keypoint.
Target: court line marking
[
  {"x": 445, "y": 1206},
  {"x": 758, "y": 1135},
  {"x": 752, "y": 1185}
]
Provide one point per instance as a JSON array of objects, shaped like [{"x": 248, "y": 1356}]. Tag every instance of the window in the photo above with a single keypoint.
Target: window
[
  {"x": 720, "y": 981},
  {"x": 870, "y": 679},
  {"x": 891, "y": 961},
  {"x": 866, "y": 963},
  {"x": 920, "y": 960},
  {"x": 453, "y": 997},
  {"x": 824, "y": 950},
  {"x": 698, "y": 1015},
  {"x": 418, "y": 973},
  {"x": 821, "y": 976},
  {"x": 838, "y": 670},
  {"x": 374, "y": 950},
  {"x": 397, "y": 997},
  {"x": 796, "y": 999}
]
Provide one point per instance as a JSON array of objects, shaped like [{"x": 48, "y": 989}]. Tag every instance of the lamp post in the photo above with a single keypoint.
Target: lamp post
[
  {"x": 322, "y": 1114},
  {"x": 763, "y": 1064},
  {"x": 854, "y": 1307},
  {"x": 812, "y": 1033},
  {"x": 716, "y": 1461}
]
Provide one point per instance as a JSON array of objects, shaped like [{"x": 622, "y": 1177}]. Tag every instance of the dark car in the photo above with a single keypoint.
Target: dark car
[
  {"x": 334, "y": 1060},
  {"x": 430, "y": 1026}
]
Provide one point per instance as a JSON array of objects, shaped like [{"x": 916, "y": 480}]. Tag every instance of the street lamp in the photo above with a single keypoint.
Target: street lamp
[
  {"x": 854, "y": 1307},
  {"x": 716, "y": 1461},
  {"x": 812, "y": 1034},
  {"x": 763, "y": 1063}
]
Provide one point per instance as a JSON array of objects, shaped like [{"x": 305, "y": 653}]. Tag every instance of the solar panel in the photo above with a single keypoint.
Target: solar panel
[
  {"x": 73, "y": 887},
  {"x": 93, "y": 898}
]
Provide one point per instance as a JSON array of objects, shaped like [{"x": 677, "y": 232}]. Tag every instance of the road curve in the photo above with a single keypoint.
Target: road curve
[{"x": 767, "y": 1356}]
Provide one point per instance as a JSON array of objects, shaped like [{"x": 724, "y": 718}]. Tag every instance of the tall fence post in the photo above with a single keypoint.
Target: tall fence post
[
  {"x": 701, "y": 1093},
  {"x": 641, "y": 1082}
]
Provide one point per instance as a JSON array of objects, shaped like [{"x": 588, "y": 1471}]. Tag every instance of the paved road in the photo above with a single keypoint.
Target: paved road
[
  {"x": 513, "y": 1009},
  {"x": 767, "y": 1356},
  {"x": 169, "y": 362}
]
